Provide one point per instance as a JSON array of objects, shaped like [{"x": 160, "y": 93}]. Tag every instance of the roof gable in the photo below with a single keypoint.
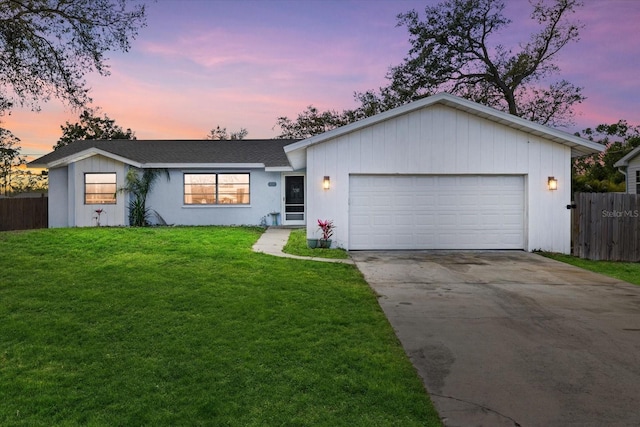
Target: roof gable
[
  {"x": 579, "y": 146},
  {"x": 624, "y": 162},
  {"x": 266, "y": 153}
]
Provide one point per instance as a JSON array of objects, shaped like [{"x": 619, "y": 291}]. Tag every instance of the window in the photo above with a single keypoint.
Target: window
[
  {"x": 638, "y": 182},
  {"x": 216, "y": 188},
  {"x": 200, "y": 189},
  {"x": 99, "y": 188}
]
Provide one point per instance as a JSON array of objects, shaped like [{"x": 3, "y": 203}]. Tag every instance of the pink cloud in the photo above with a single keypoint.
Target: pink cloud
[{"x": 188, "y": 72}]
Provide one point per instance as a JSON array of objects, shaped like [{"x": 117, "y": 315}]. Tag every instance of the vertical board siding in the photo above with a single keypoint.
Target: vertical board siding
[
  {"x": 23, "y": 213},
  {"x": 414, "y": 131},
  {"x": 607, "y": 226},
  {"x": 85, "y": 215},
  {"x": 487, "y": 153},
  {"x": 450, "y": 143},
  {"x": 439, "y": 140}
]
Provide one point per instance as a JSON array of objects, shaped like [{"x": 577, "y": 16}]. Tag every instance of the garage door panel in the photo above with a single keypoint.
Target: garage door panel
[
  {"x": 511, "y": 221},
  {"x": 423, "y": 202},
  {"x": 436, "y": 212},
  {"x": 403, "y": 201},
  {"x": 404, "y": 220}
]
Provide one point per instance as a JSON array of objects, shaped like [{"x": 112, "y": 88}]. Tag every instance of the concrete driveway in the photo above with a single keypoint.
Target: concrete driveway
[{"x": 508, "y": 338}]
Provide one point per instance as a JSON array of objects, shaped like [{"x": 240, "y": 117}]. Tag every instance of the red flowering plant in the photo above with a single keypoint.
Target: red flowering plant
[{"x": 326, "y": 227}]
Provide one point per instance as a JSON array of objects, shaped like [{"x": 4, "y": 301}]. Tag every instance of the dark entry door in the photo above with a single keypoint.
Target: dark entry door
[{"x": 294, "y": 208}]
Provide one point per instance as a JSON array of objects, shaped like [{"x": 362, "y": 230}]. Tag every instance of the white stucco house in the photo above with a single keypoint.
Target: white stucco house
[
  {"x": 629, "y": 165},
  {"x": 210, "y": 182},
  {"x": 439, "y": 173}
]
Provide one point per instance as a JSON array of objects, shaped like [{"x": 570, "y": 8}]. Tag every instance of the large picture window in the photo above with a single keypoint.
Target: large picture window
[
  {"x": 99, "y": 188},
  {"x": 216, "y": 188}
]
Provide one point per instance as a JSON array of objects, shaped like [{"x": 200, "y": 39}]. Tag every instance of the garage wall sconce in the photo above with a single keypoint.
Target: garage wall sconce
[
  {"x": 326, "y": 183},
  {"x": 552, "y": 183}
]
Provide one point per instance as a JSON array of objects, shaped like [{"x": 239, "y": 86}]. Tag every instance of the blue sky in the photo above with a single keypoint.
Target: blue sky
[{"x": 202, "y": 63}]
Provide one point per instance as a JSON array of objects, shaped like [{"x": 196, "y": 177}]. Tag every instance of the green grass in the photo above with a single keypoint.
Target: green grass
[
  {"x": 625, "y": 271},
  {"x": 297, "y": 245},
  {"x": 187, "y": 326}
]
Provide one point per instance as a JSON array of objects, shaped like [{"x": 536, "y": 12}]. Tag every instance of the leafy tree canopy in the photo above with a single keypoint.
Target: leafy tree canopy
[
  {"x": 90, "y": 127},
  {"x": 10, "y": 158},
  {"x": 596, "y": 172},
  {"x": 312, "y": 122},
  {"x": 219, "y": 134},
  {"x": 48, "y": 46},
  {"x": 454, "y": 49}
]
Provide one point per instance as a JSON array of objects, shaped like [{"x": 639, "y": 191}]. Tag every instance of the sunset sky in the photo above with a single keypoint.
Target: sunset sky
[{"x": 202, "y": 63}]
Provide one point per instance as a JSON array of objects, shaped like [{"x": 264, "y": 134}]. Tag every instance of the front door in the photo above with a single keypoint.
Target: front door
[{"x": 294, "y": 200}]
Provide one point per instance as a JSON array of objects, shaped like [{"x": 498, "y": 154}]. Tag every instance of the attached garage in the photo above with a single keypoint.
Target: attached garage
[
  {"x": 441, "y": 173},
  {"x": 436, "y": 212}
]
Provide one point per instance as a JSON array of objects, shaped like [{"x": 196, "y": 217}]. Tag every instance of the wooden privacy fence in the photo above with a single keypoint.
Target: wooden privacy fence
[
  {"x": 606, "y": 226},
  {"x": 24, "y": 213}
]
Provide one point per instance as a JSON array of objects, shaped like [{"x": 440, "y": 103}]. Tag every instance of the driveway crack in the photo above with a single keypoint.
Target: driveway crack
[{"x": 515, "y": 423}]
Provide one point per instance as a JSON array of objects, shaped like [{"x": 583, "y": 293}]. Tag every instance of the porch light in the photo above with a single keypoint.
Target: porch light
[
  {"x": 326, "y": 182},
  {"x": 552, "y": 183}
]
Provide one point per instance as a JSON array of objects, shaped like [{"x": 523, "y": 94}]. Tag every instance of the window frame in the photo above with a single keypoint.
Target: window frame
[
  {"x": 112, "y": 200},
  {"x": 217, "y": 195}
]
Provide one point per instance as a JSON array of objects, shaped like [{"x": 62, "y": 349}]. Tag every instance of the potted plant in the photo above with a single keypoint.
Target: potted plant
[
  {"x": 326, "y": 227},
  {"x": 312, "y": 243}
]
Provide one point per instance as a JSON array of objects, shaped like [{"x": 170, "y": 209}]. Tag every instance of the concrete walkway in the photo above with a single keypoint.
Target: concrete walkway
[{"x": 273, "y": 240}]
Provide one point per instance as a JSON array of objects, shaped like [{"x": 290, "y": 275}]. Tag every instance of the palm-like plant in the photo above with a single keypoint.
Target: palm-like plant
[{"x": 139, "y": 185}]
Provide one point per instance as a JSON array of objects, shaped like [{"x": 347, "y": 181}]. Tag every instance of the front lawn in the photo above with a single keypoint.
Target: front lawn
[
  {"x": 626, "y": 271},
  {"x": 297, "y": 245},
  {"x": 187, "y": 326}
]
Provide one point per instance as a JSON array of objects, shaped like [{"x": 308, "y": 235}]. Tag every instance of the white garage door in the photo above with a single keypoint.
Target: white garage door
[{"x": 436, "y": 212}]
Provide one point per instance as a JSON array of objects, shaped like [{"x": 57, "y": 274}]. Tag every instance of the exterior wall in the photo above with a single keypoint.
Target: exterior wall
[
  {"x": 167, "y": 199},
  {"x": 441, "y": 140},
  {"x": 632, "y": 168},
  {"x": 82, "y": 215},
  {"x": 58, "y": 198}
]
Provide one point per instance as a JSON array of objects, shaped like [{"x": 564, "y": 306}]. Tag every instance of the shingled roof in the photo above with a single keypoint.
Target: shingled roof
[{"x": 165, "y": 153}]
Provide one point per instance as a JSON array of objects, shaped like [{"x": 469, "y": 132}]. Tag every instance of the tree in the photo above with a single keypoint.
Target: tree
[
  {"x": 48, "y": 46},
  {"x": 26, "y": 181},
  {"x": 139, "y": 185},
  {"x": 91, "y": 127},
  {"x": 220, "y": 134},
  {"x": 312, "y": 122},
  {"x": 596, "y": 172},
  {"x": 451, "y": 51},
  {"x": 10, "y": 158}
]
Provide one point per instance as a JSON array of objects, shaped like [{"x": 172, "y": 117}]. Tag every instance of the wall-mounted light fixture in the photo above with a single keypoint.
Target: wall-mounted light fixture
[
  {"x": 326, "y": 182},
  {"x": 552, "y": 183}
]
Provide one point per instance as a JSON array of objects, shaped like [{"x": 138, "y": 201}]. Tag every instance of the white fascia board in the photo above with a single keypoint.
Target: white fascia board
[
  {"x": 360, "y": 124},
  {"x": 203, "y": 165},
  {"x": 580, "y": 146},
  {"x": 624, "y": 162},
  {"x": 279, "y": 169},
  {"x": 85, "y": 154}
]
